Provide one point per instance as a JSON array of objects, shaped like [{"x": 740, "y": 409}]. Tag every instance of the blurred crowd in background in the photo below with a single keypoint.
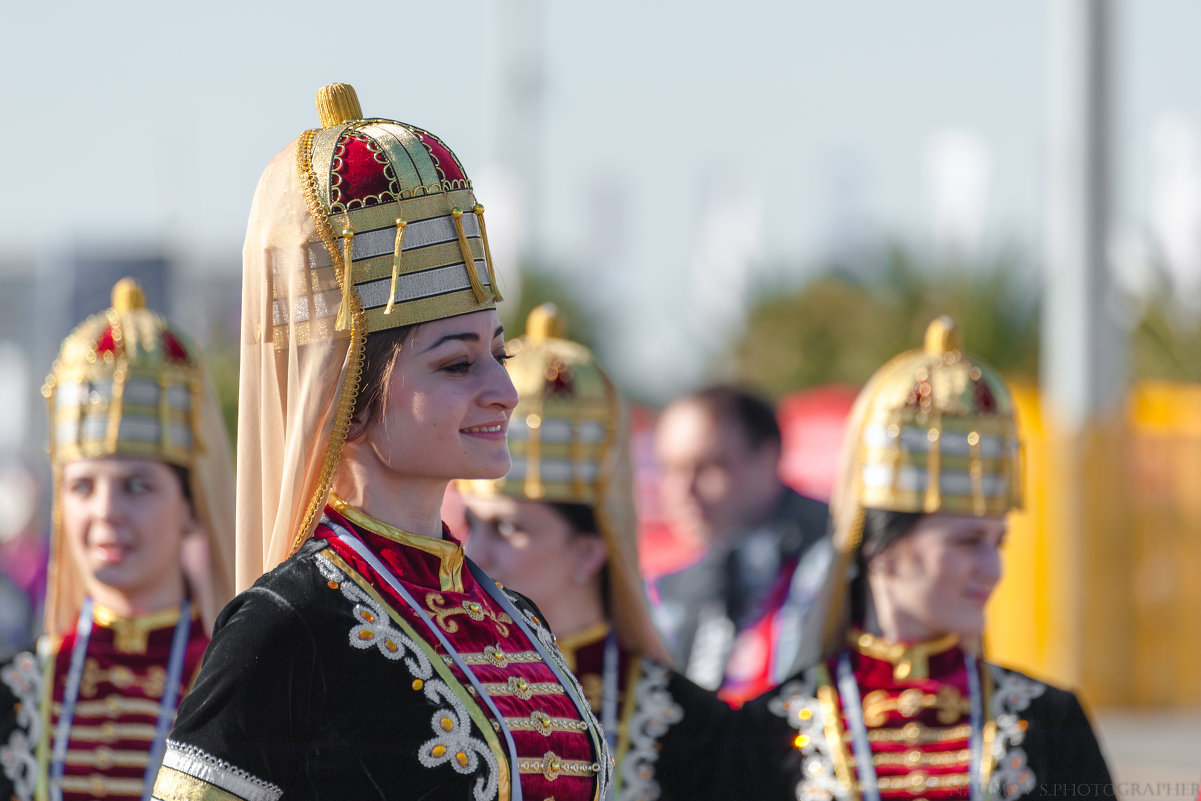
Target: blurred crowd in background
[{"x": 775, "y": 196}]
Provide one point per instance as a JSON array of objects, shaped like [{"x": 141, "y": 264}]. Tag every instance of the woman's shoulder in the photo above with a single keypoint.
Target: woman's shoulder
[
  {"x": 797, "y": 691},
  {"x": 1043, "y": 737},
  {"x": 290, "y": 594},
  {"x": 1021, "y": 694}
]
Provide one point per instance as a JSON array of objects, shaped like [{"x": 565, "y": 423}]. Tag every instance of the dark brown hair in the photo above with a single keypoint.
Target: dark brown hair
[
  {"x": 881, "y": 529},
  {"x": 733, "y": 404},
  {"x": 379, "y": 358}
]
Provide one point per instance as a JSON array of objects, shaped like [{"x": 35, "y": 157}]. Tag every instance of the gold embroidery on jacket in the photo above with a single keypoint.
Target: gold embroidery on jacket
[
  {"x": 950, "y": 705},
  {"x": 121, "y": 676},
  {"x": 473, "y": 609}
]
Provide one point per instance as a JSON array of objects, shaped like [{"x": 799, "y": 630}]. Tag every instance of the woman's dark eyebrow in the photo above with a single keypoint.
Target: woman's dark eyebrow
[{"x": 465, "y": 336}]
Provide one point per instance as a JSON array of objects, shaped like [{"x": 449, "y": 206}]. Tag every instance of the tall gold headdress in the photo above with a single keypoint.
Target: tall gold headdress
[
  {"x": 126, "y": 383},
  {"x": 569, "y": 439},
  {"x": 360, "y": 226},
  {"x": 934, "y": 431}
]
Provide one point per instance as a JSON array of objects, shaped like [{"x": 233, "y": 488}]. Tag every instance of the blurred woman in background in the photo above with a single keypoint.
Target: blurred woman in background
[
  {"x": 561, "y": 529},
  {"x": 141, "y": 472},
  {"x": 898, "y": 702}
]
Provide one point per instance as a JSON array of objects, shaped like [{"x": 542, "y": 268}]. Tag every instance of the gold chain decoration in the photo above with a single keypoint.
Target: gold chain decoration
[{"x": 354, "y": 357}]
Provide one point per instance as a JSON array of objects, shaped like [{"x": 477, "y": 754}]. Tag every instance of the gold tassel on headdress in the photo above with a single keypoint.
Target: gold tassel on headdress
[
  {"x": 343, "y": 321},
  {"x": 477, "y": 287},
  {"x": 396, "y": 251},
  {"x": 478, "y": 210}
]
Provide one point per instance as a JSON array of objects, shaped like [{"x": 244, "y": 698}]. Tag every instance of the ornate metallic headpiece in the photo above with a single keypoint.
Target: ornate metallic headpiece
[
  {"x": 937, "y": 432},
  {"x": 564, "y": 429},
  {"x": 125, "y": 383},
  {"x": 395, "y": 212}
]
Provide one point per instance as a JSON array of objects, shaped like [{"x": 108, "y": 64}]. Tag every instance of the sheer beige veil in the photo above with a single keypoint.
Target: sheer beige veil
[
  {"x": 295, "y": 370},
  {"x": 570, "y": 440},
  {"x": 126, "y": 383}
]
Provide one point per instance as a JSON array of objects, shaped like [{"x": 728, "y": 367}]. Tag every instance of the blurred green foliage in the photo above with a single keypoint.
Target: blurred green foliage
[
  {"x": 840, "y": 327},
  {"x": 1165, "y": 339},
  {"x": 221, "y": 362}
]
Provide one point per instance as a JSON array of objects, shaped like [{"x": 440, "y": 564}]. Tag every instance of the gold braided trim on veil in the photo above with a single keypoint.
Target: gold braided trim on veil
[{"x": 358, "y": 340}]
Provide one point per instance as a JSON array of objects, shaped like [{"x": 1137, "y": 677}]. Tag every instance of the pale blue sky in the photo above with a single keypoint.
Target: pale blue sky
[{"x": 149, "y": 122}]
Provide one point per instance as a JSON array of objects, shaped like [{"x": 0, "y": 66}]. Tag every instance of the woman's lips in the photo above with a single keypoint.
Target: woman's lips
[
  {"x": 110, "y": 554},
  {"x": 979, "y": 596},
  {"x": 496, "y": 431}
]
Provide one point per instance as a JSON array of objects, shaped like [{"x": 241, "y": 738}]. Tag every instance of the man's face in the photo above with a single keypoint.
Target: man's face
[{"x": 713, "y": 482}]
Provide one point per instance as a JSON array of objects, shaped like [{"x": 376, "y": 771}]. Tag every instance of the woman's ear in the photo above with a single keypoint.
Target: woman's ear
[
  {"x": 191, "y": 523},
  {"x": 357, "y": 427},
  {"x": 591, "y": 555},
  {"x": 883, "y": 563}
]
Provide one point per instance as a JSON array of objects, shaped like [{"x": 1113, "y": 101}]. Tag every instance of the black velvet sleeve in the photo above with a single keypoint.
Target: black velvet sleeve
[
  {"x": 759, "y": 759},
  {"x": 253, "y": 702},
  {"x": 1061, "y": 738},
  {"x": 690, "y": 753}
]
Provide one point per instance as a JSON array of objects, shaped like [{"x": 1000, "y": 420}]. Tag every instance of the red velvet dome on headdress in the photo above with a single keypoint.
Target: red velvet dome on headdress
[{"x": 394, "y": 208}]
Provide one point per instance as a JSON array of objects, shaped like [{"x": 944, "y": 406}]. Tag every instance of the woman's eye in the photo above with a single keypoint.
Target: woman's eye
[
  {"x": 136, "y": 484},
  {"x": 505, "y": 528},
  {"x": 79, "y": 487},
  {"x": 458, "y": 368},
  {"x": 503, "y": 358}
]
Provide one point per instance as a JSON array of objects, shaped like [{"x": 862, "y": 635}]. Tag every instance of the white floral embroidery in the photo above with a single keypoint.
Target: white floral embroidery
[
  {"x": 373, "y": 627},
  {"x": 551, "y": 646},
  {"x": 795, "y": 702},
  {"x": 451, "y": 724},
  {"x": 655, "y": 711},
  {"x": 17, "y": 756},
  {"x": 453, "y": 744},
  {"x": 1013, "y": 694}
]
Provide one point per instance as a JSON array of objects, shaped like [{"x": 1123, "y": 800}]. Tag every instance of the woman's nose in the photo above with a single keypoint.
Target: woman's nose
[
  {"x": 105, "y": 502},
  {"x": 988, "y": 565},
  {"x": 499, "y": 390}
]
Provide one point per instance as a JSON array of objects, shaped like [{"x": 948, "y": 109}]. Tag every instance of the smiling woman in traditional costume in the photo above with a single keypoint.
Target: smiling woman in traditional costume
[
  {"x": 141, "y": 466},
  {"x": 561, "y": 529},
  {"x": 374, "y": 660},
  {"x": 900, "y": 704}
]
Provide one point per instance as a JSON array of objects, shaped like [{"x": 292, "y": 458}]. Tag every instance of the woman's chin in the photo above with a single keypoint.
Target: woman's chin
[{"x": 490, "y": 470}]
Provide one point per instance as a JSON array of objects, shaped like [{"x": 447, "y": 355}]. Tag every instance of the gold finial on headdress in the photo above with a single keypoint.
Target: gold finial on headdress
[
  {"x": 942, "y": 336},
  {"x": 544, "y": 322},
  {"x": 128, "y": 295},
  {"x": 338, "y": 103}
]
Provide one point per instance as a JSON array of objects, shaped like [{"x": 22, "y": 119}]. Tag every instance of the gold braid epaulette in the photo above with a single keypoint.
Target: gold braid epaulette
[{"x": 358, "y": 340}]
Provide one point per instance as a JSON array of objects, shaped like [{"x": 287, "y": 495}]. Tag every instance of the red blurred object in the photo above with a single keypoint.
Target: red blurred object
[{"x": 812, "y": 423}]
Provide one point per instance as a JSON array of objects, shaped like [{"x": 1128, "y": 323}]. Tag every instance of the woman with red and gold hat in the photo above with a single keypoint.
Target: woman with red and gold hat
[
  {"x": 141, "y": 473},
  {"x": 899, "y": 702},
  {"x": 373, "y": 660},
  {"x": 561, "y": 529}
]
